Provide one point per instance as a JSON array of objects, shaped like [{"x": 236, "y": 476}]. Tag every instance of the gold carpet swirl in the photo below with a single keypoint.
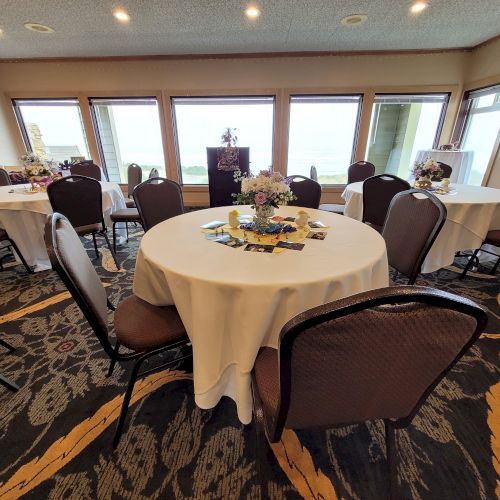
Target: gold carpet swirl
[{"x": 493, "y": 400}]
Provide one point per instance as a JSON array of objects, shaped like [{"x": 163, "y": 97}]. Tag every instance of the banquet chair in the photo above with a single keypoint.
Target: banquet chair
[
  {"x": 158, "y": 199},
  {"x": 79, "y": 198},
  {"x": 11, "y": 244},
  {"x": 378, "y": 192},
  {"x": 87, "y": 168},
  {"x": 492, "y": 238},
  {"x": 411, "y": 227},
  {"x": 313, "y": 173},
  {"x": 375, "y": 355},
  {"x": 4, "y": 178},
  {"x": 3, "y": 380},
  {"x": 307, "y": 191},
  {"x": 447, "y": 170},
  {"x": 143, "y": 329},
  {"x": 134, "y": 177}
]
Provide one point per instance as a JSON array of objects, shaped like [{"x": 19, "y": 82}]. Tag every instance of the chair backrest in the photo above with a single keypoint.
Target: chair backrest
[
  {"x": 414, "y": 220},
  {"x": 374, "y": 355},
  {"x": 134, "y": 176},
  {"x": 79, "y": 198},
  {"x": 314, "y": 173},
  {"x": 447, "y": 170},
  {"x": 359, "y": 171},
  {"x": 71, "y": 262},
  {"x": 87, "y": 168},
  {"x": 157, "y": 200},
  {"x": 378, "y": 192},
  {"x": 307, "y": 191},
  {"x": 4, "y": 178},
  {"x": 153, "y": 173}
]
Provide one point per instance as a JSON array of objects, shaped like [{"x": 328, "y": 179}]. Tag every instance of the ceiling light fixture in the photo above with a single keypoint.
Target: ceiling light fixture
[
  {"x": 121, "y": 15},
  {"x": 418, "y": 7},
  {"x": 252, "y": 12},
  {"x": 354, "y": 20},
  {"x": 38, "y": 28}
]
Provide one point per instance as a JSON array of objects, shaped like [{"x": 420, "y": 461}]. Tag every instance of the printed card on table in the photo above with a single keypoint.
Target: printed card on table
[
  {"x": 317, "y": 224},
  {"x": 319, "y": 235},
  {"x": 215, "y": 224},
  {"x": 290, "y": 246},
  {"x": 254, "y": 247},
  {"x": 229, "y": 241}
]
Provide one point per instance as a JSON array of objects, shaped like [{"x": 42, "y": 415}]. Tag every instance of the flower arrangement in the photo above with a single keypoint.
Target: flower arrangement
[
  {"x": 267, "y": 189},
  {"x": 228, "y": 138},
  {"x": 427, "y": 169},
  {"x": 40, "y": 173}
]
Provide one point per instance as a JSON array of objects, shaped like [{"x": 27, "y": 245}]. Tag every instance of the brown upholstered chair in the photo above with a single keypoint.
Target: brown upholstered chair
[
  {"x": 4, "y": 178},
  {"x": 3, "y": 380},
  {"x": 11, "y": 244},
  {"x": 158, "y": 199},
  {"x": 378, "y": 192},
  {"x": 79, "y": 198},
  {"x": 447, "y": 170},
  {"x": 144, "y": 329},
  {"x": 492, "y": 238},
  {"x": 414, "y": 220},
  {"x": 134, "y": 177},
  {"x": 357, "y": 172},
  {"x": 124, "y": 216},
  {"x": 307, "y": 191},
  {"x": 87, "y": 168},
  {"x": 375, "y": 355}
]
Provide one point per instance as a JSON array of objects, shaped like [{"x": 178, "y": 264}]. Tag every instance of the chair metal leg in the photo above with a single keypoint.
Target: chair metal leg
[
  {"x": 126, "y": 229},
  {"x": 114, "y": 236},
  {"x": 392, "y": 466},
  {"x": 7, "y": 345},
  {"x": 126, "y": 401},
  {"x": 7, "y": 383},
  {"x": 469, "y": 264},
  {"x": 495, "y": 267},
  {"x": 113, "y": 360},
  {"x": 25, "y": 264},
  {"x": 110, "y": 249},
  {"x": 95, "y": 246}
]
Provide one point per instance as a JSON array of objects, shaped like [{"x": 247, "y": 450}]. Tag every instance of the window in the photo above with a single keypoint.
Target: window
[
  {"x": 323, "y": 130},
  {"x": 128, "y": 132},
  {"x": 200, "y": 122},
  {"x": 481, "y": 130},
  {"x": 52, "y": 128},
  {"x": 400, "y": 126}
]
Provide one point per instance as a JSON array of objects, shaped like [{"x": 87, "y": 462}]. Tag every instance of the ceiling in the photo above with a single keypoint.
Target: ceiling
[{"x": 87, "y": 28}]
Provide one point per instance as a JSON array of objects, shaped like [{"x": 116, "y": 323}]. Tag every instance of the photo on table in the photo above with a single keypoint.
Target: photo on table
[
  {"x": 320, "y": 235},
  {"x": 229, "y": 241},
  {"x": 316, "y": 224},
  {"x": 254, "y": 247},
  {"x": 289, "y": 219},
  {"x": 290, "y": 246},
  {"x": 213, "y": 224}
]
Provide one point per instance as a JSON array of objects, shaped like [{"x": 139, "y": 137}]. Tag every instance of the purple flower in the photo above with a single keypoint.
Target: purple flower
[{"x": 260, "y": 198}]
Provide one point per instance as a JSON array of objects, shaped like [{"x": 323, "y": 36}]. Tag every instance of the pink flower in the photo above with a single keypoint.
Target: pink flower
[{"x": 260, "y": 198}]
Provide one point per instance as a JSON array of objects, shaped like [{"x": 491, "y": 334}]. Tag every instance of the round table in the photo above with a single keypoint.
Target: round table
[
  {"x": 232, "y": 301},
  {"x": 23, "y": 216},
  {"x": 472, "y": 212}
]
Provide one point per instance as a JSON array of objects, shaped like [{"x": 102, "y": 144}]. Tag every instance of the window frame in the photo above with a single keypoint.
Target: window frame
[
  {"x": 355, "y": 140},
  {"x": 211, "y": 95}
]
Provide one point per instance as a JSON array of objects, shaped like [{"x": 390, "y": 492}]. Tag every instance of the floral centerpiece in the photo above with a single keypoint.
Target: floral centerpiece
[
  {"x": 264, "y": 192},
  {"x": 426, "y": 170},
  {"x": 40, "y": 173},
  {"x": 228, "y": 138}
]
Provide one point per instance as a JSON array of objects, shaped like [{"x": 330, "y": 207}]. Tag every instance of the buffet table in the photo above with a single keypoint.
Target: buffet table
[
  {"x": 23, "y": 214},
  {"x": 472, "y": 212},
  {"x": 233, "y": 301}
]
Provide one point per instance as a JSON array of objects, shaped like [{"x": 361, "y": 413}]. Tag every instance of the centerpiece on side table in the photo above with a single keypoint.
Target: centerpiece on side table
[
  {"x": 40, "y": 173},
  {"x": 264, "y": 192},
  {"x": 424, "y": 171}
]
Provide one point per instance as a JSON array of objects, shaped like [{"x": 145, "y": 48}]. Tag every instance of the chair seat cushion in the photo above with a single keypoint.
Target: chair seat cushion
[
  {"x": 130, "y": 203},
  {"x": 267, "y": 378},
  {"x": 493, "y": 237},
  {"x": 89, "y": 228},
  {"x": 141, "y": 326},
  {"x": 332, "y": 207},
  {"x": 126, "y": 215}
]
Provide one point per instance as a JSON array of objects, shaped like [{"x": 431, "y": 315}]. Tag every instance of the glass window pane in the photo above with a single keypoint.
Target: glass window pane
[
  {"x": 54, "y": 128},
  {"x": 322, "y": 133},
  {"x": 129, "y": 132},
  {"x": 200, "y": 123},
  {"x": 399, "y": 128}
]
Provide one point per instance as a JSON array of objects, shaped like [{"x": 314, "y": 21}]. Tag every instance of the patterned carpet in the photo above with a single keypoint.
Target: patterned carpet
[{"x": 56, "y": 432}]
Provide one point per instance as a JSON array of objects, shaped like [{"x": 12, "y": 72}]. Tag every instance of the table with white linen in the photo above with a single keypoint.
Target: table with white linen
[
  {"x": 23, "y": 216},
  {"x": 459, "y": 161},
  {"x": 472, "y": 212},
  {"x": 232, "y": 301}
]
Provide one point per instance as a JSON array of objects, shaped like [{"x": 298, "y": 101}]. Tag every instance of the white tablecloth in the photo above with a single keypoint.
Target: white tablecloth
[
  {"x": 472, "y": 212},
  {"x": 233, "y": 302},
  {"x": 459, "y": 161},
  {"x": 23, "y": 216}
]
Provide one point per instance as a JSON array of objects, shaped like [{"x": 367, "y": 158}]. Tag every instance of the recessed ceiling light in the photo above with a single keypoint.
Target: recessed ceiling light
[
  {"x": 252, "y": 12},
  {"x": 418, "y": 7},
  {"x": 121, "y": 15},
  {"x": 38, "y": 28},
  {"x": 354, "y": 19}
]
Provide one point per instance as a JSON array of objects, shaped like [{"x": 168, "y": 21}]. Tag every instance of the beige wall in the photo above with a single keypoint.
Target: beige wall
[{"x": 485, "y": 63}]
